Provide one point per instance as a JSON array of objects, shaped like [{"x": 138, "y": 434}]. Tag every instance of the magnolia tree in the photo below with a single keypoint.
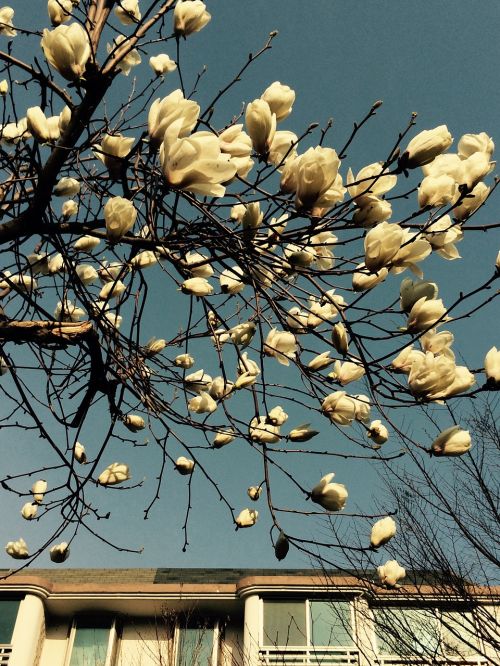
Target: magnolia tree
[{"x": 287, "y": 270}]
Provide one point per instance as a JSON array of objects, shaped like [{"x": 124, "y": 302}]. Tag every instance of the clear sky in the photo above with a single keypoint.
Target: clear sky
[{"x": 435, "y": 57}]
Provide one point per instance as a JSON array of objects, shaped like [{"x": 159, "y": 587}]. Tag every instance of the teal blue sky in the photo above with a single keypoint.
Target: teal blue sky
[{"x": 438, "y": 58}]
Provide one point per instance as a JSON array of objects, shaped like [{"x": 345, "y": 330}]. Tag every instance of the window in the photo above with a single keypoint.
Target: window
[
  {"x": 8, "y": 615},
  {"x": 197, "y": 643},
  {"x": 91, "y": 642},
  {"x": 407, "y": 631},
  {"x": 308, "y": 623}
]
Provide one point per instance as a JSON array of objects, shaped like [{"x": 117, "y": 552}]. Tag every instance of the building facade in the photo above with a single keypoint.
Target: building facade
[{"x": 236, "y": 617}]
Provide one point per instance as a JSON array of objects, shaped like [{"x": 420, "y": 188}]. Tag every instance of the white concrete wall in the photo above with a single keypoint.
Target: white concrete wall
[
  {"x": 231, "y": 649},
  {"x": 144, "y": 644},
  {"x": 251, "y": 631},
  {"x": 29, "y": 630},
  {"x": 55, "y": 644}
]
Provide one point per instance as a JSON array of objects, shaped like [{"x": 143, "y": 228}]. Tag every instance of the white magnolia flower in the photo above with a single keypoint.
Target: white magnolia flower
[
  {"x": 202, "y": 404},
  {"x": 134, "y": 422},
  {"x": 263, "y": 432},
  {"x": 162, "y": 64},
  {"x": 127, "y": 11},
  {"x": 114, "y": 474},
  {"x": 452, "y": 442},
  {"x": 184, "y": 361},
  {"x": 6, "y": 27},
  {"x": 190, "y": 16},
  {"x": 18, "y": 550},
  {"x": 247, "y": 518},
  {"x": 59, "y": 553},
  {"x": 302, "y": 433},
  {"x": 184, "y": 466},
  {"x": 127, "y": 61},
  {"x": 378, "y": 432},
  {"x": 67, "y": 48},
  {"x": 382, "y": 532},
  {"x": 29, "y": 510},
  {"x": 282, "y": 345},
  {"x": 39, "y": 488},
  {"x": 254, "y": 493},
  {"x": 331, "y": 496},
  {"x": 390, "y": 573},
  {"x": 79, "y": 453}
]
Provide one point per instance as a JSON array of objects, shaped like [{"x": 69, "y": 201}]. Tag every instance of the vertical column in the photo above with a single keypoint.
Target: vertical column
[
  {"x": 364, "y": 632},
  {"x": 28, "y": 632},
  {"x": 251, "y": 631}
]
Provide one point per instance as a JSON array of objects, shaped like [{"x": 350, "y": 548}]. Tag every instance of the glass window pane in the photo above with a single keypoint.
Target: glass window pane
[
  {"x": 90, "y": 646},
  {"x": 458, "y": 634},
  {"x": 8, "y": 615},
  {"x": 407, "y": 631},
  {"x": 331, "y": 623},
  {"x": 195, "y": 647},
  {"x": 285, "y": 623}
]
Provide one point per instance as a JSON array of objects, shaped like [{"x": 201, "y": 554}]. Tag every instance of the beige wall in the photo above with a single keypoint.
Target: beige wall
[{"x": 54, "y": 648}]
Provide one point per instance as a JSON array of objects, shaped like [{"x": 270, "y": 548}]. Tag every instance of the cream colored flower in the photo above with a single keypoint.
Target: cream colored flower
[
  {"x": 197, "y": 287},
  {"x": 119, "y": 215},
  {"x": 390, "y": 573},
  {"x": 202, "y": 404},
  {"x": 164, "y": 112},
  {"x": 39, "y": 488},
  {"x": 86, "y": 243},
  {"x": 302, "y": 433},
  {"x": 198, "y": 381},
  {"x": 190, "y": 16},
  {"x": 475, "y": 143},
  {"x": 426, "y": 313},
  {"x": 321, "y": 361},
  {"x": 59, "y": 553},
  {"x": 427, "y": 145},
  {"x": 363, "y": 280},
  {"x": 339, "y": 339},
  {"x": 410, "y": 291},
  {"x": 261, "y": 125},
  {"x": 67, "y": 187},
  {"x": 126, "y": 61},
  {"x": 371, "y": 181},
  {"x": 472, "y": 202},
  {"x": 127, "y": 11},
  {"x": 236, "y": 143},
  {"x": 18, "y": 550},
  {"x": 347, "y": 372},
  {"x": 277, "y": 416},
  {"x": 195, "y": 163},
  {"x": 154, "y": 346},
  {"x": 254, "y": 492},
  {"x": 4, "y": 87},
  {"x": 184, "y": 361},
  {"x": 162, "y": 64},
  {"x": 223, "y": 438},
  {"x": 263, "y": 432},
  {"x": 29, "y": 511},
  {"x": 282, "y": 345},
  {"x": 79, "y": 453},
  {"x": 378, "y": 432},
  {"x": 59, "y": 11},
  {"x": 67, "y": 48},
  {"x": 340, "y": 408},
  {"x": 437, "y": 191},
  {"x": 69, "y": 209},
  {"x": 231, "y": 280},
  {"x": 184, "y": 465},
  {"x": 382, "y": 244},
  {"x": 492, "y": 366},
  {"x": 114, "y": 474},
  {"x": 6, "y": 27},
  {"x": 86, "y": 273},
  {"x": 112, "y": 151},
  {"x": 134, "y": 422},
  {"x": 247, "y": 518},
  {"x": 280, "y": 98},
  {"x": 452, "y": 442},
  {"x": 331, "y": 496},
  {"x": 382, "y": 532}
]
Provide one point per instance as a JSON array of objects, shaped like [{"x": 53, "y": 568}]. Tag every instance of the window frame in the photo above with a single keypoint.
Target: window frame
[
  {"x": 112, "y": 647},
  {"x": 437, "y": 613},
  {"x": 309, "y": 645},
  {"x": 212, "y": 625}
]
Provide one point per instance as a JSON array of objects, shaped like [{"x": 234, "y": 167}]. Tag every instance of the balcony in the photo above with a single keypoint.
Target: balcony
[
  {"x": 394, "y": 660},
  {"x": 301, "y": 656},
  {"x": 5, "y": 652}
]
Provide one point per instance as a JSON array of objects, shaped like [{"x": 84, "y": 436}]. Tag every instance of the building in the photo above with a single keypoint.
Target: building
[{"x": 235, "y": 617}]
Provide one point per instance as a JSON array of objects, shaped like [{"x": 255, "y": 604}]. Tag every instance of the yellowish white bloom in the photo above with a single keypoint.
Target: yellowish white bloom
[
  {"x": 427, "y": 145},
  {"x": 79, "y": 453},
  {"x": 86, "y": 243},
  {"x": 390, "y": 573},
  {"x": 184, "y": 361},
  {"x": 197, "y": 287},
  {"x": 426, "y": 313},
  {"x": 382, "y": 532},
  {"x": 4, "y": 87},
  {"x": 162, "y": 64},
  {"x": 280, "y": 98},
  {"x": 302, "y": 433},
  {"x": 67, "y": 311},
  {"x": 59, "y": 553},
  {"x": 112, "y": 290},
  {"x": 331, "y": 496},
  {"x": 282, "y": 345},
  {"x": 492, "y": 366},
  {"x": 29, "y": 510},
  {"x": 373, "y": 211},
  {"x": 18, "y": 550},
  {"x": 128, "y": 12},
  {"x": 6, "y": 27},
  {"x": 164, "y": 112},
  {"x": 154, "y": 346},
  {"x": 437, "y": 191},
  {"x": 254, "y": 492},
  {"x": 114, "y": 474},
  {"x": 283, "y": 148},
  {"x": 247, "y": 518},
  {"x": 119, "y": 215},
  {"x": 43, "y": 129},
  {"x": 134, "y": 422},
  {"x": 263, "y": 432},
  {"x": 198, "y": 381},
  {"x": 340, "y": 408},
  {"x": 67, "y": 187},
  {"x": 12, "y": 133},
  {"x": 69, "y": 209},
  {"x": 67, "y": 49},
  {"x": 39, "y": 488},
  {"x": 277, "y": 416},
  {"x": 223, "y": 438},
  {"x": 382, "y": 243},
  {"x": 127, "y": 61},
  {"x": 437, "y": 343},
  {"x": 339, "y": 339},
  {"x": 144, "y": 259},
  {"x": 236, "y": 143},
  {"x": 190, "y": 16},
  {"x": 59, "y": 11},
  {"x": 220, "y": 388},
  {"x": 363, "y": 280},
  {"x": 411, "y": 291},
  {"x": 86, "y": 273},
  {"x": 378, "y": 432},
  {"x": 261, "y": 125},
  {"x": 231, "y": 280},
  {"x": 371, "y": 181},
  {"x": 471, "y": 202},
  {"x": 452, "y": 442},
  {"x": 202, "y": 404},
  {"x": 475, "y": 143},
  {"x": 184, "y": 465},
  {"x": 111, "y": 152},
  {"x": 346, "y": 372},
  {"x": 321, "y": 361},
  {"x": 318, "y": 183}
]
